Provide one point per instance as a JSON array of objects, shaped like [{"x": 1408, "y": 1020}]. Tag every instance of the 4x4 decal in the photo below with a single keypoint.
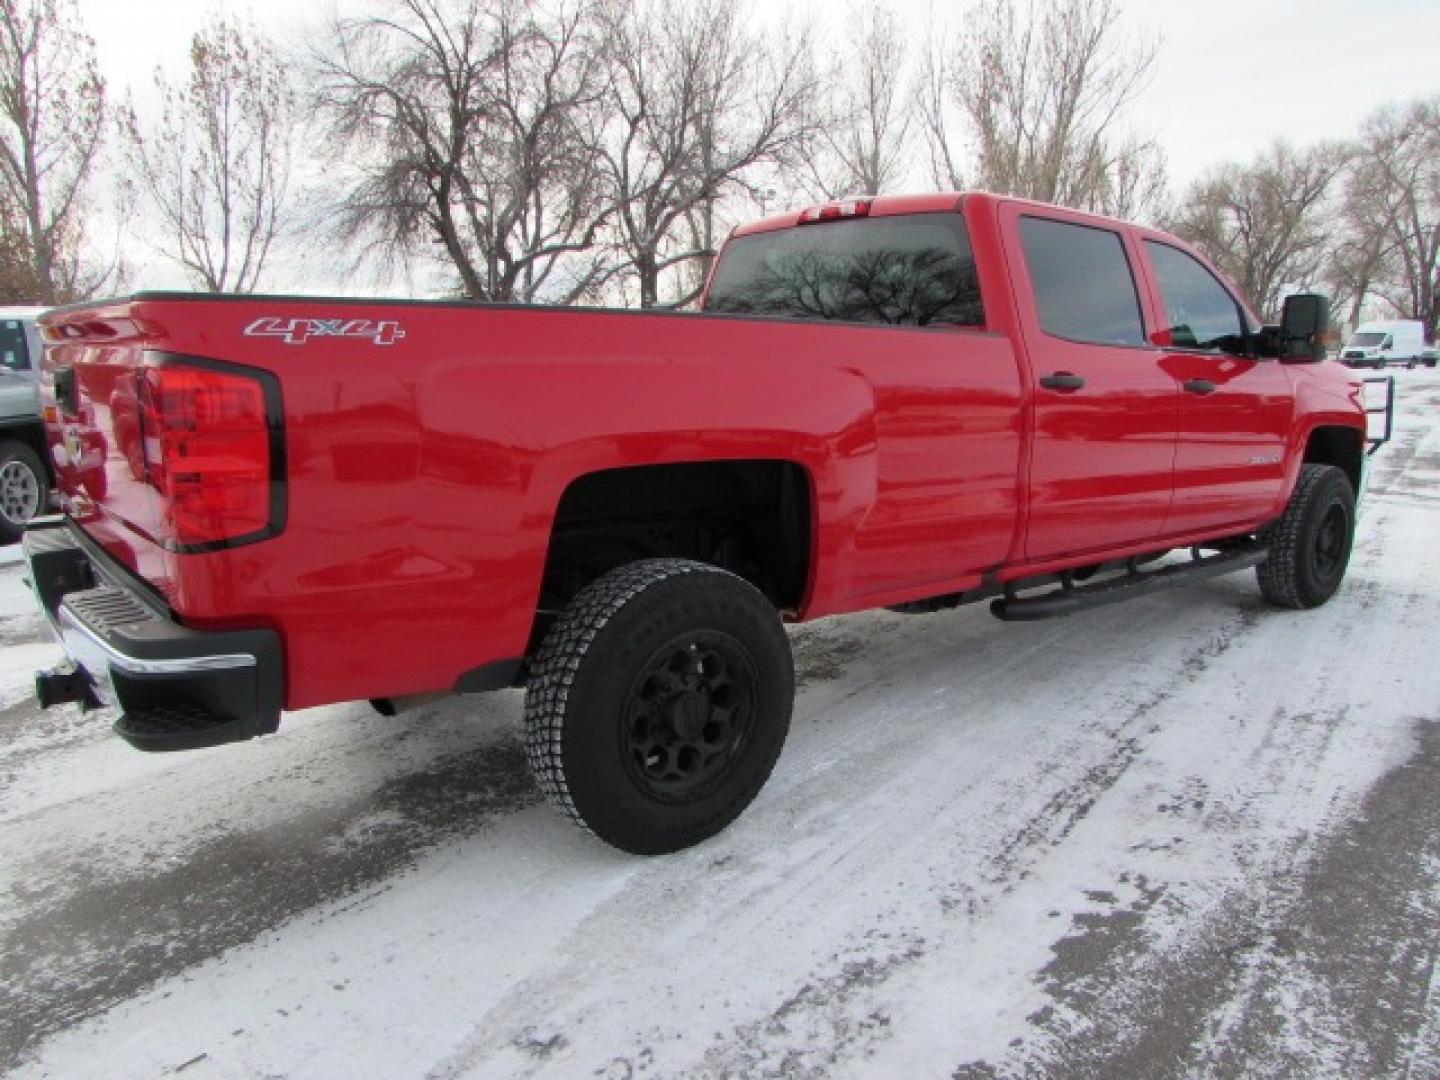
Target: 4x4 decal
[{"x": 300, "y": 331}]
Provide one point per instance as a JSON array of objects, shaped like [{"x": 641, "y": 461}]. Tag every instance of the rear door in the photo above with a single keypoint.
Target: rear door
[
  {"x": 1104, "y": 404},
  {"x": 946, "y": 390},
  {"x": 1235, "y": 413}
]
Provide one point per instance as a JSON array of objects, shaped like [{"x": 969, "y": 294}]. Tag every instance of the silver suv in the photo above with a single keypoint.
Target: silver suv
[{"x": 24, "y": 474}]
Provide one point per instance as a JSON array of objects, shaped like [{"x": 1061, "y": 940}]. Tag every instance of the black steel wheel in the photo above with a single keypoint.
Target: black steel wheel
[
  {"x": 688, "y": 715},
  {"x": 659, "y": 703},
  {"x": 1310, "y": 543},
  {"x": 1331, "y": 545}
]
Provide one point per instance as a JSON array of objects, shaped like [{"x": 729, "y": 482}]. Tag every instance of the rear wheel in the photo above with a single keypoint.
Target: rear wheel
[
  {"x": 24, "y": 488},
  {"x": 1310, "y": 543},
  {"x": 659, "y": 703}
]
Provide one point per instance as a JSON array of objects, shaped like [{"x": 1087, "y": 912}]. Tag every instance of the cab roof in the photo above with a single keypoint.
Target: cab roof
[
  {"x": 880, "y": 206},
  {"x": 931, "y": 202}
]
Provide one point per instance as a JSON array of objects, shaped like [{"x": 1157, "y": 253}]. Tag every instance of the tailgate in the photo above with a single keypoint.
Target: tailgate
[{"x": 157, "y": 455}]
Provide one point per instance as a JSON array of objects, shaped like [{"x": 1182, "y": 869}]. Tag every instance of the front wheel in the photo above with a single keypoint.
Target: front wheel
[
  {"x": 1310, "y": 543},
  {"x": 658, "y": 704},
  {"x": 24, "y": 489}
]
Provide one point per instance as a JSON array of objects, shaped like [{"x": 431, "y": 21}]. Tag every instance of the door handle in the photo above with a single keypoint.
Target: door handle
[
  {"x": 1062, "y": 380},
  {"x": 1199, "y": 386}
]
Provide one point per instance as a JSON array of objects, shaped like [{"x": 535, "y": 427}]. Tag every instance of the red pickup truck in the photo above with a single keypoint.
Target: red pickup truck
[{"x": 278, "y": 502}]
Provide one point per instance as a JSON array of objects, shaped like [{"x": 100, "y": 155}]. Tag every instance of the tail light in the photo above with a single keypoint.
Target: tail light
[{"x": 209, "y": 451}]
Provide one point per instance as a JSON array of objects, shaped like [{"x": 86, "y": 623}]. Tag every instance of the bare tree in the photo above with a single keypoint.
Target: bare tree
[
  {"x": 216, "y": 167},
  {"x": 474, "y": 123},
  {"x": 1399, "y": 165},
  {"x": 1042, "y": 91},
  {"x": 696, "y": 105},
  {"x": 1137, "y": 185},
  {"x": 18, "y": 284},
  {"x": 934, "y": 109},
  {"x": 1362, "y": 256},
  {"x": 52, "y": 118},
  {"x": 865, "y": 149},
  {"x": 1266, "y": 224}
]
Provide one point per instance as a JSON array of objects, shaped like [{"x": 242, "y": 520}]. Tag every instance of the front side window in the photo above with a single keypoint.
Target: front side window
[
  {"x": 909, "y": 270},
  {"x": 1200, "y": 313},
  {"x": 1084, "y": 290},
  {"x": 14, "y": 350}
]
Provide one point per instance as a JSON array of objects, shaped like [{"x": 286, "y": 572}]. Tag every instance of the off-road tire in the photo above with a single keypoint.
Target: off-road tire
[
  {"x": 1310, "y": 543},
  {"x": 18, "y": 456},
  {"x": 593, "y": 676}
]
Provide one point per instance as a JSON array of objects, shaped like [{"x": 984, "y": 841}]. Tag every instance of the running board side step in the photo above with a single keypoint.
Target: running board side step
[{"x": 1069, "y": 597}]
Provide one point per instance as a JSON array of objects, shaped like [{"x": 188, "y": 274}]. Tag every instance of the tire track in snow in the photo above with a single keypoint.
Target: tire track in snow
[
  {"x": 1323, "y": 967},
  {"x": 1069, "y": 805},
  {"x": 85, "y": 939},
  {"x": 1114, "y": 998}
]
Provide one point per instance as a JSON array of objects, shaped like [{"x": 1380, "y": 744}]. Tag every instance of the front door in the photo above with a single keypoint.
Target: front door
[{"x": 1235, "y": 412}]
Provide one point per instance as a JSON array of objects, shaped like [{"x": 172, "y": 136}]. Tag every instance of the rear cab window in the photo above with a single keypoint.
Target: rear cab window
[
  {"x": 1084, "y": 288},
  {"x": 901, "y": 270}
]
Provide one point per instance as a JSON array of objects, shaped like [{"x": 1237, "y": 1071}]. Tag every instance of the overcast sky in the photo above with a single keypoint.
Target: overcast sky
[{"x": 1232, "y": 74}]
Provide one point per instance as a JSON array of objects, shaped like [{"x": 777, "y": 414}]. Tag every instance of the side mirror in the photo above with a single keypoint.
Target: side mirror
[{"x": 1304, "y": 322}]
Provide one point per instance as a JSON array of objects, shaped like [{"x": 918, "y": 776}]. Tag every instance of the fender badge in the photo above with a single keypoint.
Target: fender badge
[{"x": 302, "y": 331}]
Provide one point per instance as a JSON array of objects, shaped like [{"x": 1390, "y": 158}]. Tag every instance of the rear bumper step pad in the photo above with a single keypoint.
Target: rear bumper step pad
[{"x": 175, "y": 688}]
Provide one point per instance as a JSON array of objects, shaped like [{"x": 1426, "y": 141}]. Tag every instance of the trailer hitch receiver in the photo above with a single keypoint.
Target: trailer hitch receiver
[{"x": 63, "y": 685}]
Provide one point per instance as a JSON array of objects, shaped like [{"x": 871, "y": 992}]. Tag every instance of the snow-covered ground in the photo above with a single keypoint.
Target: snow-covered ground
[{"x": 1188, "y": 835}]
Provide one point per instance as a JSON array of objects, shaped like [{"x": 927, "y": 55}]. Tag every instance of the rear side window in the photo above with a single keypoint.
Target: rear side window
[
  {"x": 14, "y": 351},
  {"x": 1200, "y": 313},
  {"x": 910, "y": 270},
  {"x": 1083, "y": 286}
]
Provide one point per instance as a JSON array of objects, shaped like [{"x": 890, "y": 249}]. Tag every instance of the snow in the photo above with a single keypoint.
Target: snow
[{"x": 985, "y": 844}]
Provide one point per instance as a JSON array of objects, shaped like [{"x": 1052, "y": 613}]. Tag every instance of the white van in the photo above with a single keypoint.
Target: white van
[{"x": 1396, "y": 341}]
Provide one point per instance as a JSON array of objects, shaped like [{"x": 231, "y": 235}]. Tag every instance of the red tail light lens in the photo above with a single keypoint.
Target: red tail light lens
[{"x": 207, "y": 452}]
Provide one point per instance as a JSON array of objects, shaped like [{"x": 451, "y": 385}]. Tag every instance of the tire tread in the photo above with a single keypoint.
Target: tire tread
[
  {"x": 1279, "y": 574},
  {"x": 553, "y": 674}
]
